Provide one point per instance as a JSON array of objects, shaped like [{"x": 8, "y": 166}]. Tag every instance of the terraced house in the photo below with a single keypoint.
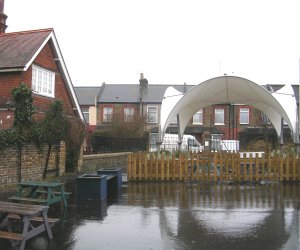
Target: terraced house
[{"x": 238, "y": 123}]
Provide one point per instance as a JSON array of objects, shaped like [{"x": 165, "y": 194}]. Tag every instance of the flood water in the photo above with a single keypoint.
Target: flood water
[{"x": 150, "y": 216}]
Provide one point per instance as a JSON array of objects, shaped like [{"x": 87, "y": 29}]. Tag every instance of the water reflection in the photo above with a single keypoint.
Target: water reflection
[{"x": 182, "y": 216}]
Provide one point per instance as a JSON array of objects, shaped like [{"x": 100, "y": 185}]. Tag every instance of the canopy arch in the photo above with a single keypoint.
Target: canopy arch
[{"x": 230, "y": 89}]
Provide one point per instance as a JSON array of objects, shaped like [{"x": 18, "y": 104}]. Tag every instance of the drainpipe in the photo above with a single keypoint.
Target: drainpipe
[{"x": 298, "y": 118}]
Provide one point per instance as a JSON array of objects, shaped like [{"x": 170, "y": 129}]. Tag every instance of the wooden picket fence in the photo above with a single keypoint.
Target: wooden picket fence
[{"x": 208, "y": 166}]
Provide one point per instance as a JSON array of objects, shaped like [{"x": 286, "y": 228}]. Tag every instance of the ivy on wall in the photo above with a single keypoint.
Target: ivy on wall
[{"x": 55, "y": 126}]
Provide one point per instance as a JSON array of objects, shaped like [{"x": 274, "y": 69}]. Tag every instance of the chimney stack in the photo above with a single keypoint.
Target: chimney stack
[
  {"x": 3, "y": 18},
  {"x": 143, "y": 85}
]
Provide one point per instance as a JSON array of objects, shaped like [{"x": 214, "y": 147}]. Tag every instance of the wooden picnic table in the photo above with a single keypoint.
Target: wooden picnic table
[
  {"x": 44, "y": 192},
  {"x": 27, "y": 213}
]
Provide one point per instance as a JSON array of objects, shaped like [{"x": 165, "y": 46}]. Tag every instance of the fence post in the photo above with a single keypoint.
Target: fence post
[
  {"x": 294, "y": 168},
  {"x": 198, "y": 166},
  {"x": 162, "y": 165},
  {"x": 263, "y": 167},
  {"x": 140, "y": 165},
  {"x": 269, "y": 166},
  {"x": 287, "y": 168},
  {"x": 245, "y": 177},
  {"x": 226, "y": 168},
  {"x": 256, "y": 166},
  {"x": 281, "y": 168},
  {"x": 129, "y": 167},
  {"x": 251, "y": 167},
  {"x": 215, "y": 162},
  {"x": 298, "y": 167},
  {"x": 151, "y": 167},
  {"x": 173, "y": 167},
  {"x": 203, "y": 162},
  {"x": 237, "y": 165},
  {"x": 186, "y": 170},
  {"x": 221, "y": 158},
  {"x": 146, "y": 166},
  {"x": 168, "y": 167},
  {"x": 134, "y": 167},
  {"x": 180, "y": 166},
  {"x": 192, "y": 166},
  {"x": 156, "y": 166}
]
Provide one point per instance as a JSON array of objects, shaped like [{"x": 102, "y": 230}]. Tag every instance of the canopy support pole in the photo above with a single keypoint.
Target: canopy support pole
[
  {"x": 159, "y": 141},
  {"x": 281, "y": 135},
  {"x": 179, "y": 134}
]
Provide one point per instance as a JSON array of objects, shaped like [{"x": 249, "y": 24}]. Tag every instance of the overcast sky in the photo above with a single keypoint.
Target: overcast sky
[{"x": 170, "y": 41}]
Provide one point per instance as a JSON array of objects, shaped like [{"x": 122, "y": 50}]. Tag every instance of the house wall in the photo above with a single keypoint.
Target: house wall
[
  {"x": 92, "y": 115},
  {"x": 117, "y": 108},
  {"x": 45, "y": 59},
  {"x": 33, "y": 162},
  {"x": 11, "y": 80},
  {"x": 230, "y": 129}
]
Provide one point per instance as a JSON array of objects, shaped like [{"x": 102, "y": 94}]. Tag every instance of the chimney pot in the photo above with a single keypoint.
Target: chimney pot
[
  {"x": 3, "y": 17},
  {"x": 1, "y": 6}
]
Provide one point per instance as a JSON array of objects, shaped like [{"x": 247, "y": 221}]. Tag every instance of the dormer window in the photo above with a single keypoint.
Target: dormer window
[{"x": 43, "y": 81}]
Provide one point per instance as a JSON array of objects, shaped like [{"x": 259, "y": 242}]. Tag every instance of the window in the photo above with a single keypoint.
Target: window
[
  {"x": 43, "y": 81},
  {"x": 86, "y": 114},
  {"x": 153, "y": 139},
  {"x": 107, "y": 114},
  {"x": 244, "y": 116},
  {"x": 128, "y": 114},
  {"x": 198, "y": 117},
  {"x": 152, "y": 114},
  {"x": 219, "y": 116}
]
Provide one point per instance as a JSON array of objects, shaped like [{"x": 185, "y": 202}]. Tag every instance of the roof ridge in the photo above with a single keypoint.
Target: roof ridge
[
  {"x": 27, "y": 32},
  {"x": 87, "y": 86}
]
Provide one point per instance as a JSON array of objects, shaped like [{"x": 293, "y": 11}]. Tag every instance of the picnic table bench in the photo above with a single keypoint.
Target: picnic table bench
[
  {"x": 43, "y": 193},
  {"x": 27, "y": 214}
]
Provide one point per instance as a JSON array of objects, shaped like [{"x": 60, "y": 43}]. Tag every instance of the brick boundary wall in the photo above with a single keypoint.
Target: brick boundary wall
[
  {"x": 33, "y": 162},
  {"x": 91, "y": 163}
]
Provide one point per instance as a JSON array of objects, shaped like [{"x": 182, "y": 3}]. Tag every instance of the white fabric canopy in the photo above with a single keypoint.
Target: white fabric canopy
[
  {"x": 171, "y": 98},
  {"x": 230, "y": 89}
]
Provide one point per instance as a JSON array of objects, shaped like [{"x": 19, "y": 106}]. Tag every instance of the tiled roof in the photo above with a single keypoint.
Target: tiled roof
[
  {"x": 120, "y": 93},
  {"x": 87, "y": 95},
  {"x": 129, "y": 93},
  {"x": 18, "y": 48}
]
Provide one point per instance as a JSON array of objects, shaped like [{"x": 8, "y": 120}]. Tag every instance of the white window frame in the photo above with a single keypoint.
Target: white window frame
[
  {"x": 107, "y": 114},
  {"x": 223, "y": 116},
  {"x": 43, "y": 81},
  {"x": 148, "y": 113},
  {"x": 198, "y": 113},
  {"x": 244, "y": 115},
  {"x": 129, "y": 114}
]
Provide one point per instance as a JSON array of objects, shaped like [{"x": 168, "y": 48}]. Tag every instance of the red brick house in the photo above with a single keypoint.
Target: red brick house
[{"x": 34, "y": 58}]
